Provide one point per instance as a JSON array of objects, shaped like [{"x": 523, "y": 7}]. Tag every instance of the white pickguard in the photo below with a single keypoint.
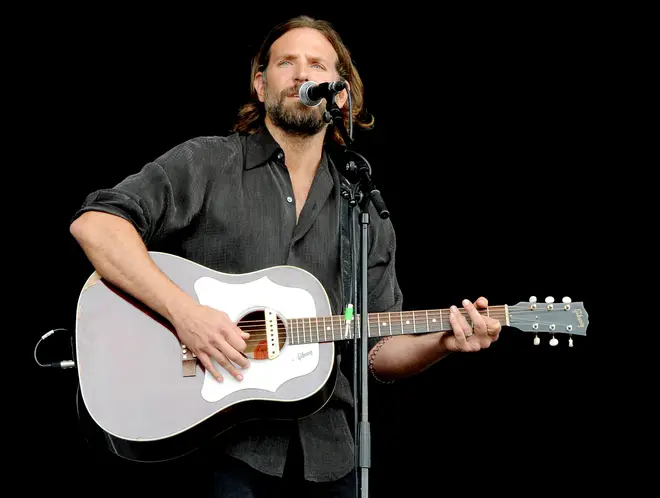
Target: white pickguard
[{"x": 238, "y": 299}]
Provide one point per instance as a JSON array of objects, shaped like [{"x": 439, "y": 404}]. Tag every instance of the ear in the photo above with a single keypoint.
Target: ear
[
  {"x": 259, "y": 85},
  {"x": 342, "y": 97}
]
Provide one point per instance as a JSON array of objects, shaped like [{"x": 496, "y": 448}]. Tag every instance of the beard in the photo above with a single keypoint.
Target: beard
[{"x": 294, "y": 117}]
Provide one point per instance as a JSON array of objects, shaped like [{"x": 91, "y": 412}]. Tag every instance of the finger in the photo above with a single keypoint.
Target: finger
[
  {"x": 482, "y": 302},
  {"x": 478, "y": 322},
  {"x": 231, "y": 353},
  {"x": 235, "y": 337},
  {"x": 208, "y": 364},
  {"x": 224, "y": 362},
  {"x": 457, "y": 327},
  {"x": 242, "y": 333},
  {"x": 494, "y": 328}
]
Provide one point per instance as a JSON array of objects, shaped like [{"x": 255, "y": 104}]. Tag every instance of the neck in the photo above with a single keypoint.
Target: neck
[
  {"x": 303, "y": 154},
  {"x": 334, "y": 328}
]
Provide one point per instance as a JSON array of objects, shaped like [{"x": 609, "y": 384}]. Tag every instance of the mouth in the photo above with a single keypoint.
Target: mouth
[{"x": 294, "y": 93}]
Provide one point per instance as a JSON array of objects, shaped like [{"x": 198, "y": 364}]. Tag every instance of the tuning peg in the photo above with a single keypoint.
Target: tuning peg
[
  {"x": 537, "y": 341},
  {"x": 554, "y": 341},
  {"x": 532, "y": 299},
  {"x": 566, "y": 300},
  {"x": 570, "y": 342},
  {"x": 549, "y": 299}
]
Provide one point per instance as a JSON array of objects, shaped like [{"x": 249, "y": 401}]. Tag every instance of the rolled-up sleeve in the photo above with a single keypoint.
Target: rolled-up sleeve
[
  {"x": 384, "y": 292},
  {"x": 164, "y": 196}
]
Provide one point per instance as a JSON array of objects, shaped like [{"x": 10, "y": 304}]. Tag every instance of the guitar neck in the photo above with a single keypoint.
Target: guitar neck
[{"x": 336, "y": 328}]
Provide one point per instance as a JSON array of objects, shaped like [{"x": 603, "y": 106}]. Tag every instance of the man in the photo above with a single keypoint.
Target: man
[{"x": 267, "y": 195}]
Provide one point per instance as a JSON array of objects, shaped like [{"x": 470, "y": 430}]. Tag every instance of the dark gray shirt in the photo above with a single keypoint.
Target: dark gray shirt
[{"x": 227, "y": 203}]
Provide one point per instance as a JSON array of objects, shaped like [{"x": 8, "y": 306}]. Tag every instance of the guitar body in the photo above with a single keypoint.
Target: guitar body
[{"x": 148, "y": 399}]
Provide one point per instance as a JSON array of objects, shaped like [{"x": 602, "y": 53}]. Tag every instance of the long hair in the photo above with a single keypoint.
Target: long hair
[{"x": 252, "y": 114}]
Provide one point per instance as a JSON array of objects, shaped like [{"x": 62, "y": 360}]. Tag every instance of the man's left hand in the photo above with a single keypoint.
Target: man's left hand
[{"x": 470, "y": 337}]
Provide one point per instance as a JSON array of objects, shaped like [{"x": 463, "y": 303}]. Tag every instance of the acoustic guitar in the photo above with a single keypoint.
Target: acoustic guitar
[{"x": 148, "y": 397}]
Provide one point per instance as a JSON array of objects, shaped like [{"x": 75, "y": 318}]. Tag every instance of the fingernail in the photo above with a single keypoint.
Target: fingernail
[
  {"x": 240, "y": 377},
  {"x": 454, "y": 308},
  {"x": 465, "y": 302}
]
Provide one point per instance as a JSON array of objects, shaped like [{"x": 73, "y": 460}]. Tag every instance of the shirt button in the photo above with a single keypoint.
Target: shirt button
[
  {"x": 289, "y": 199},
  {"x": 280, "y": 155}
]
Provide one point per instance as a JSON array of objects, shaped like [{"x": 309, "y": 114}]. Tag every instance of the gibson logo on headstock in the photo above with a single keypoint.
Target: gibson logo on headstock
[{"x": 578, "y": 315}]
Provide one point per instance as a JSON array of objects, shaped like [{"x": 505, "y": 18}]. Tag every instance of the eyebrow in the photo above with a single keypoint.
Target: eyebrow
[{"x": 294, "y": 56}]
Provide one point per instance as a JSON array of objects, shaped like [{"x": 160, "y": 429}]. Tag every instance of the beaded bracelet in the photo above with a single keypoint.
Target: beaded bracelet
[{"x": 372, "y": 355}]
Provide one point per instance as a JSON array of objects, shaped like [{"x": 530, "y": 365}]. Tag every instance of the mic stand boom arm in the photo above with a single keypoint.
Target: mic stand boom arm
[{"x": 363, "y": 193}]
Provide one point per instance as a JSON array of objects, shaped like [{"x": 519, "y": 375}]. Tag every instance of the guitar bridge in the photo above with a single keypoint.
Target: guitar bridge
[{"x": 189, "y": 362}]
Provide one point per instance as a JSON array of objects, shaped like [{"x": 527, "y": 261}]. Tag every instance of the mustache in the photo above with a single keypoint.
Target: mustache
[{"x": 291, "y": 92}]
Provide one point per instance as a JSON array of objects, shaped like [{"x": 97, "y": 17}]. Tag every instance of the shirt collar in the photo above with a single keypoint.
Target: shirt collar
[{"x": 261, "y": 146}]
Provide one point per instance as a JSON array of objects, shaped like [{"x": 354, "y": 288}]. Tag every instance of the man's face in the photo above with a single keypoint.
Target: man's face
[{"x": 299, "y": 55}]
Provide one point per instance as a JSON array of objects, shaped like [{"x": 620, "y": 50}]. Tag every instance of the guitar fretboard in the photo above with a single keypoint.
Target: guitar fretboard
[{"x": 335, "y": 328}]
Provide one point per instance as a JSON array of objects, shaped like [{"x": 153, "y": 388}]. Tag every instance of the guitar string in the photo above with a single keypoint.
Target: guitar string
[
  {"x": 320, "y": 323},
  {"x": 317, "y": 322},
  {"x": 420, "y": 313},
  {"x": 328, "y": 323},
  {"x": 258, "y": 334}
]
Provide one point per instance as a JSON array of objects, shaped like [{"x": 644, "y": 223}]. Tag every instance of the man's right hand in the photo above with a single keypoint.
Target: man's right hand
[{"x": 210, "y": 333}]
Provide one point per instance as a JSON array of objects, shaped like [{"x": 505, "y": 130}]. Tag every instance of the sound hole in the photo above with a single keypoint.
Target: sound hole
[{"x": 257, "y": 345}]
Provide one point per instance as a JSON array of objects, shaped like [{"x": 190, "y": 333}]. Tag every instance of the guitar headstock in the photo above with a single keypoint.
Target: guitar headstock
[{"x": 550, "y": 318}]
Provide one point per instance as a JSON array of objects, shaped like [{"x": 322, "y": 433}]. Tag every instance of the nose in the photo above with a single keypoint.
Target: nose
[{"x": 300, "y": 76}]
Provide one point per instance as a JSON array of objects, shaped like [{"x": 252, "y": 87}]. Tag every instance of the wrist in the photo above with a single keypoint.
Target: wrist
[
  {"x": 178, "y": 305},
  {"x": 437, "y": 344}
]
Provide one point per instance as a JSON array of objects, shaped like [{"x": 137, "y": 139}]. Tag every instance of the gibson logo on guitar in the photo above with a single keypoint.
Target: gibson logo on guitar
[
  {"x": 302, "y": 355},
  {"x": 580, "y": 319}
]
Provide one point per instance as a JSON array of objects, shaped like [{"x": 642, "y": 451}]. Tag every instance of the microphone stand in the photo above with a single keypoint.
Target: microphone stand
[{"x": 358, "y": 171}]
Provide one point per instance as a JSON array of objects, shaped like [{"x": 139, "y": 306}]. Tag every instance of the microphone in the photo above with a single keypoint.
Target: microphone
[{"x": 311, "y": 93}]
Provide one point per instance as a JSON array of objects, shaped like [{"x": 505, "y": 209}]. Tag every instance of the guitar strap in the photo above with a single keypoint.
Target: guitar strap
[
  {"x": 347, "y": 247},
  {"x": 347, "y": 216}
]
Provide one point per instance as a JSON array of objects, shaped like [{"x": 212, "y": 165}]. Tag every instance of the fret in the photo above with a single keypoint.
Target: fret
[
  {"x": 405, "y": 325},
  {"x": 379, "y": 324}
]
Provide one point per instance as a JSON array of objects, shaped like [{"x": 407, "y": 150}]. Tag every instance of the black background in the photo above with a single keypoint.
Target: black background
[{"x": 480, "y": 151}]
